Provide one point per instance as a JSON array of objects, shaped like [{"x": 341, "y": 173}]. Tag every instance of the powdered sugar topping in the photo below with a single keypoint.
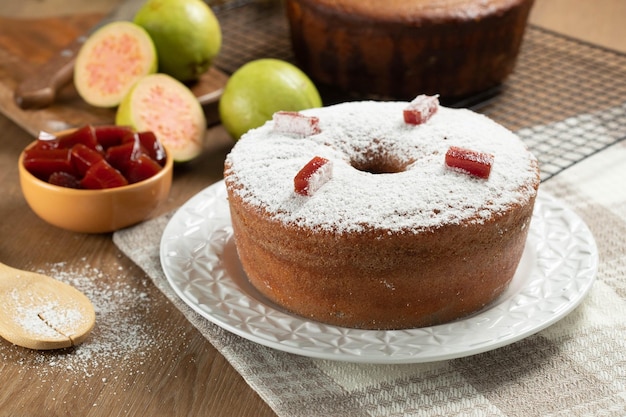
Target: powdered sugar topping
[
  {"x": 387, "y": 175},
  {"x": 47, "y": 320}
]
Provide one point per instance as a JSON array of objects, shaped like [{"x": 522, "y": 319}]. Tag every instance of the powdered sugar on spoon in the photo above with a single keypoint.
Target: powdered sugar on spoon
[{"x": 39, "y": 312}]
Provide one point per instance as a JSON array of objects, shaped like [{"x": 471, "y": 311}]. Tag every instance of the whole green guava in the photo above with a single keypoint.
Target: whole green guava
[
  {"x": 260, "y": 88},
  {"x": 186, "y": 34}
]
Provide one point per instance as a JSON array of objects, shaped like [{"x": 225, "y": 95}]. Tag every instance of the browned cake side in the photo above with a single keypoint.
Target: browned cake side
[
  {"x": 401, "y": 48},
  {"x": 391, "y": 282}
]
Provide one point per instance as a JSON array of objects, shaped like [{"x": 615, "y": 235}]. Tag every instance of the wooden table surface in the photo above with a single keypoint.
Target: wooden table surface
[{"x": 158, "y": 365}]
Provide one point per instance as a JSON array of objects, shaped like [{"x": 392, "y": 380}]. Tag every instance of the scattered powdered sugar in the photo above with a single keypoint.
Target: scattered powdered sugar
[
  {"x": 423, "y": 194},
  {"x": 121, "y": 339}
]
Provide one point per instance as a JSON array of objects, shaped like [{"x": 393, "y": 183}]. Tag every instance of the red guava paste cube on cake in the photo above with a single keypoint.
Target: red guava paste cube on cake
[
  {"x": 421, "y": 109},
  {"x": 295, "y": 123},
  {"x": 317, "y": 172},
  {"x": 84, "y": 158},
  {"x": 103, "y": 175},
  {"x": 470, "y": 161},
  {"x": 111, "y": 135}
]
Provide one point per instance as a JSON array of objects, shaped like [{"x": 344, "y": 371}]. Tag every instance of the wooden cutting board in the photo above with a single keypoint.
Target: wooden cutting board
[{"x": 26, "y": 44}]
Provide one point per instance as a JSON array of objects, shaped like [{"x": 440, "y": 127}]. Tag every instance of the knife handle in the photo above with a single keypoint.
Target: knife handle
[{"x": 40, "y": 89}]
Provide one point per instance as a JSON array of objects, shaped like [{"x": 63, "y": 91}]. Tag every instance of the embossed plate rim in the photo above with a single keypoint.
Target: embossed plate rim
[{"x": 200, "y": 262}]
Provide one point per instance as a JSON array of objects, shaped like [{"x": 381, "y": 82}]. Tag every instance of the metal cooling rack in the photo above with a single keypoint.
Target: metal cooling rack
[{"x": 566, "y": 98}]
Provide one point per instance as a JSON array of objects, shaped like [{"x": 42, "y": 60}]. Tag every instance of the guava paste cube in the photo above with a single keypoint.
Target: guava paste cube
[
  {"x": 295, "y": 123},
  {"x": 421, "y": 109},
  {"x": 141, "y": 168},
  {"x": 85, "y": 135},
  {"x": 469, "y": 161},
  {"x": 43, "y": 163},
  {"x": 111, "y": 135},
  {"x": 103, "y": 175},
  {"x": 84, "y": 158},
  {"x": 317, "y": 172}
]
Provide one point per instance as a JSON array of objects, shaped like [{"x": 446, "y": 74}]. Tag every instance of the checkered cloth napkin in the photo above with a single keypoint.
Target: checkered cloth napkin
[{"x": 576, "y": 367}]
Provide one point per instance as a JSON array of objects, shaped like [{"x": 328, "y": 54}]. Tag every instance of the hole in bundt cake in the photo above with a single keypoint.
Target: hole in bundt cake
[{"x": 379, "y": 163}]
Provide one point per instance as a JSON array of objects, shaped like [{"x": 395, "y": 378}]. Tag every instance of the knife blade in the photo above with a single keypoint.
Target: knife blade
[{"x": 41, "y": 88}]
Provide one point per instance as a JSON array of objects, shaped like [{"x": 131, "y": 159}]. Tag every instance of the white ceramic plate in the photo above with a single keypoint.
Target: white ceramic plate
[{"x": 200, "y": 261}]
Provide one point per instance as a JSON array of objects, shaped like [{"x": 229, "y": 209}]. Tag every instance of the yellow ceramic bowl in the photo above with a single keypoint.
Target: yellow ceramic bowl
[{"x": 95, "y": 211}]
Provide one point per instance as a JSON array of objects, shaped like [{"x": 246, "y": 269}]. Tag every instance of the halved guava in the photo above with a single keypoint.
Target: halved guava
[
  {"x": 111, "y": 61},
  {"x": 167, "y": 107}
]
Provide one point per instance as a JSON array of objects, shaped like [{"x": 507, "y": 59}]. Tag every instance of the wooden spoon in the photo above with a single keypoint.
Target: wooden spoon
[{"x": 39, "y": 312}]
